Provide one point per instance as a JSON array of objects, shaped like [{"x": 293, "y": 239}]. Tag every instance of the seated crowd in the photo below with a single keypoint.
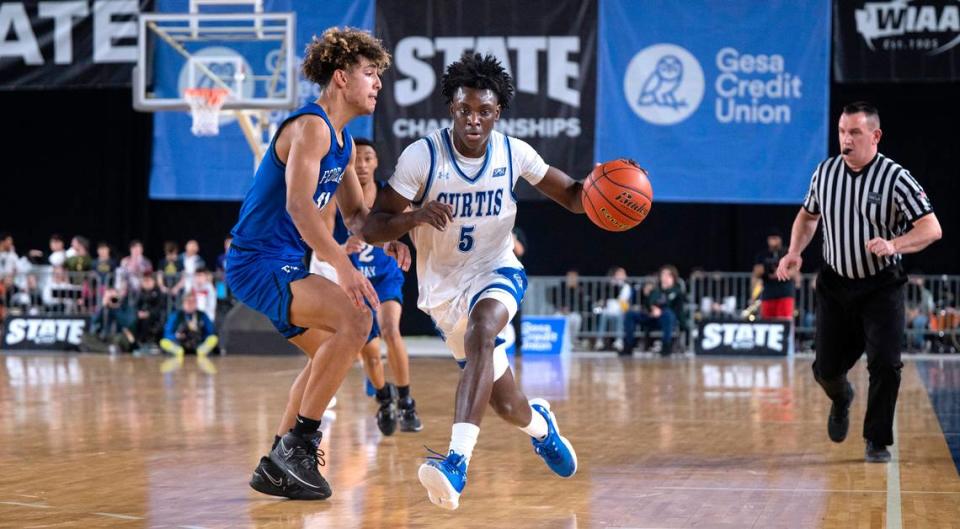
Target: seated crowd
[{"x": 130, "y": 303}]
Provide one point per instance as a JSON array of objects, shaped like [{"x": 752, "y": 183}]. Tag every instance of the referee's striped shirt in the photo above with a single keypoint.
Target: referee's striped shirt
[{"x": 882, "y": 200}]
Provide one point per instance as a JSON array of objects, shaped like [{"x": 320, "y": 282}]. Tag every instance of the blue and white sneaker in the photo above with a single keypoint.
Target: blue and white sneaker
[
  {"x": 555, "y": 449},
  {"x": 368, "y": 387},
  {"x": 444, "y": 478}
]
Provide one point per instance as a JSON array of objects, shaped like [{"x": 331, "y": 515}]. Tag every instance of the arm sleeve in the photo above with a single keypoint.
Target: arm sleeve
[
  {"x": 812, "y": 202},
  {"x": 911, "y": 200},
  {"x": 412, "y": 170},
  {"x": 530, "y": 166}
]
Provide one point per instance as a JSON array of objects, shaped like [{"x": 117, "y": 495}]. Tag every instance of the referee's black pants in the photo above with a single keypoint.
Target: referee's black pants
[{"x": 857, "y": 315}]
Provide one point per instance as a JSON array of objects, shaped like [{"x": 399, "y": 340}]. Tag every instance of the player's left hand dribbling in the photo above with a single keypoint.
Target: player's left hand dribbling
[
  {"x": 400, "y": 252},
  {"x": 434, "y": 213},
  {"x": 881, "y": 247}
]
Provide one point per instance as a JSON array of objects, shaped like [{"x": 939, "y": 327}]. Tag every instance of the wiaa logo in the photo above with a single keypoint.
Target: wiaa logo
[
  {"x": 744, "y": 335},
  {"x": 919, "y": 25},
  {"x": 664, "y": 84},
  {"x": 44, "y": 331}
]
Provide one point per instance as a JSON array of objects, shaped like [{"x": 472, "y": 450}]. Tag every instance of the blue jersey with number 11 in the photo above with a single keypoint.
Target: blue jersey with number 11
[{"x": 264, "y": 223}]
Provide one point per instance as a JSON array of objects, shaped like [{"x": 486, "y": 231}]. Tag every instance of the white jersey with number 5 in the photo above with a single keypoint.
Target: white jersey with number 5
[{"x": 481, "y": 193}]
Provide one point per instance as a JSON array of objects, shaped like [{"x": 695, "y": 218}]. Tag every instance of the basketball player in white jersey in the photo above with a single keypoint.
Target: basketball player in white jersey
[{"x": 460, "y": 182}]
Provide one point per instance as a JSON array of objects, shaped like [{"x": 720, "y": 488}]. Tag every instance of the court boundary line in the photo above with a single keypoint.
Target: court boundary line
[
  {"x": 894, "y": 499},
  {"x": 766, "y": 489}
]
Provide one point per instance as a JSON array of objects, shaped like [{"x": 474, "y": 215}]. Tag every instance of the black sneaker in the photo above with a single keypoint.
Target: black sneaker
[
  {"x": 876, "y": 453},
  {"x": 387, "y": 413},
  {"x": 298, "y": 458},
  {"x": 409, "y": 421},
  {"x": 269, "y": 479},
  {"x": 839, "y": 421}
]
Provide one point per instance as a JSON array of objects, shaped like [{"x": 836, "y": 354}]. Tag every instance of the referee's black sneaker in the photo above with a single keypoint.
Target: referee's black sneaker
[
  {"x": 876, "y": 453},
  {"x": 387, "y": 413},
  {"x": 839, "y": 421},
  {"x": 298, "y": 458}
]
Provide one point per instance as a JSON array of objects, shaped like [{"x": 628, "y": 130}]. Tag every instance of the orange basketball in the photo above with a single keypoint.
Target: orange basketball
[{"x": 617, "y": 195}]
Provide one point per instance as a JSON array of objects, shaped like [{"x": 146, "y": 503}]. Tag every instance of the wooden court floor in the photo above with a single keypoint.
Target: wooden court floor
[{"x": 94, "y": 441}]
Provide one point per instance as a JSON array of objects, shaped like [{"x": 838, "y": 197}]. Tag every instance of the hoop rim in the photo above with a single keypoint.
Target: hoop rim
[{"x": 212, "y": 95}]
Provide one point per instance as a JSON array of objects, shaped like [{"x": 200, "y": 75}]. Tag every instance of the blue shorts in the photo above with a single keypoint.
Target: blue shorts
[
  {"x": 389, "y": 286},
  {"x": 262, "y": 282}
]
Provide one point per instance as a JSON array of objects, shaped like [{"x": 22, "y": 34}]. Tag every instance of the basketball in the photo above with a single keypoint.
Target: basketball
[{"x": 617, "y": 195}]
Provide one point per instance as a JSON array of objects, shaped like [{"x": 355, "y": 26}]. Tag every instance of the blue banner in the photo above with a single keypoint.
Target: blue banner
[
  {"x": 722, "y": 101},
  {"x": 544, "y": 334},
  {"x": 186, "y": 167}
]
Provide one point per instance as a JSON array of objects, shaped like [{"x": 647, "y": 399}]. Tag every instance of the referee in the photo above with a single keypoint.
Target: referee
[{"x": 873, "y": 211}]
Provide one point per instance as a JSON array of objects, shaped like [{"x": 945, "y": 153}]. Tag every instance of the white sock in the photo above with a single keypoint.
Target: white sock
[
  {"x": 537, "y": 427},
  {"x": 464, "y": 438}
]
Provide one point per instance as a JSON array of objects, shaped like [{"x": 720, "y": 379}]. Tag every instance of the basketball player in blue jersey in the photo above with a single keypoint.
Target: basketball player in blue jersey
[
  {"x": 470, "y": 282},
  {"x": 395, "y": 402},
  {"x": 309, "y": 161}
]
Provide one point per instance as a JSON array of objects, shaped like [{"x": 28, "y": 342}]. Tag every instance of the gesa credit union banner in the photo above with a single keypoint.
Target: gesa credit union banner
[{"x": 722, "y": 101}]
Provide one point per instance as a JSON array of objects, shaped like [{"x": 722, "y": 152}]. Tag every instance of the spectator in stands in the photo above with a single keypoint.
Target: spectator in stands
[
  {"x": 191, "y": 262},
  {"x": 57, "y": 253},
  {"x": 611, "y": 309},
  {"x": 111, "y": 325},
  {"x": 105, "y": 264},
  {"x": 60, "y": 296},
  {"x": 80, "y": 260},
  {"x": 8, "y": 265},
  {"x": 222, "y": 258},
  {"x": 205, "y": 293},
  {"x": 188, "y": 329},
  {"x": 151, "y": 308},
  {"x": 776, "y": 298},
  {"x": 170, "y": 272},
  {"x": 667, "y": 306},
  {"x": 919, "y": 307},
  {"x": 132, "y": 268},
  {"x": 638, "y": 314},
  {"x": 570, "y": 300},
  {"x": 18, "y": 287},
  {"x": 220, "y": 278}
]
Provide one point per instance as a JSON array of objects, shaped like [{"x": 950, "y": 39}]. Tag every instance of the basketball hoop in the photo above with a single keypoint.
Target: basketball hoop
[{"x": 205, "y": 105}]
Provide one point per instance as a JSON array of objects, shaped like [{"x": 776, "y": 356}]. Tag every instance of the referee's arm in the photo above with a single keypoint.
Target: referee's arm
[
  {"x": 926, "y": 230},
  {"x": 804, "y": 228}
]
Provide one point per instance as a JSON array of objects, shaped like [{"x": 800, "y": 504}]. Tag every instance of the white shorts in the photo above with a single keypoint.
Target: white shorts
[{"x": 506, "y": 285}]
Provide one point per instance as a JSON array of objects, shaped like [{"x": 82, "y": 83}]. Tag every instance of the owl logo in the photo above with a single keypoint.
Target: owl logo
[{"x": 661, "y": 86}]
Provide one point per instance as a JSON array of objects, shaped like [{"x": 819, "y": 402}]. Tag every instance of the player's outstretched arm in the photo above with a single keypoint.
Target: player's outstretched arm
[
  {"x": 389, "y": 221},
  {"x": 562, "y": 189}
]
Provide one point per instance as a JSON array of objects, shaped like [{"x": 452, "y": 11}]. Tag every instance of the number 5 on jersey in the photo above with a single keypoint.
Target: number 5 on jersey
[{"x": 466, "y": 238}]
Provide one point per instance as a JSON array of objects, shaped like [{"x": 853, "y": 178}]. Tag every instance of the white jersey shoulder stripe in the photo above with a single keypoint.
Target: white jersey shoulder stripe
[{"x": 433, "y": 165}]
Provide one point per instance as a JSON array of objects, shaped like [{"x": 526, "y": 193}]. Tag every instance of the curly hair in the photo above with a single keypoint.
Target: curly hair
[
  {"x": 341, "y": 49},
  {"x": 474, "y": 71}
]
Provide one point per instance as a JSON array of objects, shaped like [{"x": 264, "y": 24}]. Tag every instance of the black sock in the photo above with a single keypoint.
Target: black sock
[
  {"x": 383, "y": 393},
  {"x": 276, "y": 439},
  {"x": 305, "y": 426},
  {"x": 404, "y": 391}
]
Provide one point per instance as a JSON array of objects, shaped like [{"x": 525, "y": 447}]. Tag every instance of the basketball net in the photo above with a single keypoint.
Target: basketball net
[{"x": 205, "y": 105}]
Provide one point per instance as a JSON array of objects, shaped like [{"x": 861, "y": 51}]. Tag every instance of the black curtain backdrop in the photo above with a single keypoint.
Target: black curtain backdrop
[{"x": 77, "y": 162}]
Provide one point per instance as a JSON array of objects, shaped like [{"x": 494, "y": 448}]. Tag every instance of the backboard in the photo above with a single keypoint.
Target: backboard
[{"x": 249, "y": 54}]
